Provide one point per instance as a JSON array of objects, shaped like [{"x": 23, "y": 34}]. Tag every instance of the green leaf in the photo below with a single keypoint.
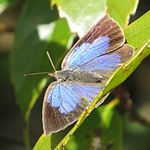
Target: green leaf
[
  {"x": 141, "y": 51},
  {"x": 38, "y": 30},
  {"x": 121, "y": 10},
  {"x": 101, "y": 129},
  {"x": 81, "y": 14},
  {"x": 138, "y": 35},
  {"x": 86, "y": 134},
  {"x": 112, "y": 136},
  {"x": 43, "y": 143},
  {"x": 112, "y": 127},
  {"x": 4, "y": 3}
]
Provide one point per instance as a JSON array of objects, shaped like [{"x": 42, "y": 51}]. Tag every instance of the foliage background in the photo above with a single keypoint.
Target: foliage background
[{"x": 136, "y": 135}]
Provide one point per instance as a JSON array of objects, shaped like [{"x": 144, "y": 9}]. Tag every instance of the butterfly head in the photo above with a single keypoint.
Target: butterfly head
[
  {"x": 63, "y": 75},
  {"x": 60, "y": 75}
]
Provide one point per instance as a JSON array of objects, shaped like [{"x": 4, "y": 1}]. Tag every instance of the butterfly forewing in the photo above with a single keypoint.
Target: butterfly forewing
[{"x": 104, "y": 37}]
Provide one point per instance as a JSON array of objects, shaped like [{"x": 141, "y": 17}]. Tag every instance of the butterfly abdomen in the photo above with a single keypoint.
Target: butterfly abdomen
[{"x": 76, "y": 75}]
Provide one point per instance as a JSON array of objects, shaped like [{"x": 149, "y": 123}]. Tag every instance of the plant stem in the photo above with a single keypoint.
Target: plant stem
[{"x": 27, "y": 135}]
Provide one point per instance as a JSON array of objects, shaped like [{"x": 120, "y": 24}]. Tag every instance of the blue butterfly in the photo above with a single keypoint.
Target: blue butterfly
[{"x": 85, "y": 70}]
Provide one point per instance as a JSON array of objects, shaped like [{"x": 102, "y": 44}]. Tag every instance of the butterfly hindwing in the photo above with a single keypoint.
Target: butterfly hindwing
[
  {"x": 106, "y": 64},
  {"x": 64, "y": 102}
]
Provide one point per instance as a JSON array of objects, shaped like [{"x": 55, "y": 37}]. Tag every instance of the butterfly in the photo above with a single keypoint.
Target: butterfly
[{"x": 85, "y": 70}]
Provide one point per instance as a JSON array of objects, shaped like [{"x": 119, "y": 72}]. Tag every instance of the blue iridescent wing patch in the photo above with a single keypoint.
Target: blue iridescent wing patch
[
  {"x": 87, "y": 52},
  {"x": 64, "y": 102}
]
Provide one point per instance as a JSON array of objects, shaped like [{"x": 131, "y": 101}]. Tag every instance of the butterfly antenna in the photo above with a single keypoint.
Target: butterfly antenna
[
  {"x": 49, "y": 57},
  {"x": 37, "y": 73}
]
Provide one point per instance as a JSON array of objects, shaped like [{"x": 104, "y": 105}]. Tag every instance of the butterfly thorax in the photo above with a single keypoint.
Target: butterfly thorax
[{"x": 76, "y": 75}]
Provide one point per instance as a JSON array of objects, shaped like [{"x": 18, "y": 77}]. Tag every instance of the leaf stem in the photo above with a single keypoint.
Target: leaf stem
[{"x": 27, "y": 135}]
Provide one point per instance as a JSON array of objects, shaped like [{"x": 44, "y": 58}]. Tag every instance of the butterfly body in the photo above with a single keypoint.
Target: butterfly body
[
  {"x": 77, "y": 75},
  {"x": 85, "y": 70}
]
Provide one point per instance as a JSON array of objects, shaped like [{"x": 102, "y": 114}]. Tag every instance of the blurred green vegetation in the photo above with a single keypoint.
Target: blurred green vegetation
[{"x": 28, "y": 28}]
